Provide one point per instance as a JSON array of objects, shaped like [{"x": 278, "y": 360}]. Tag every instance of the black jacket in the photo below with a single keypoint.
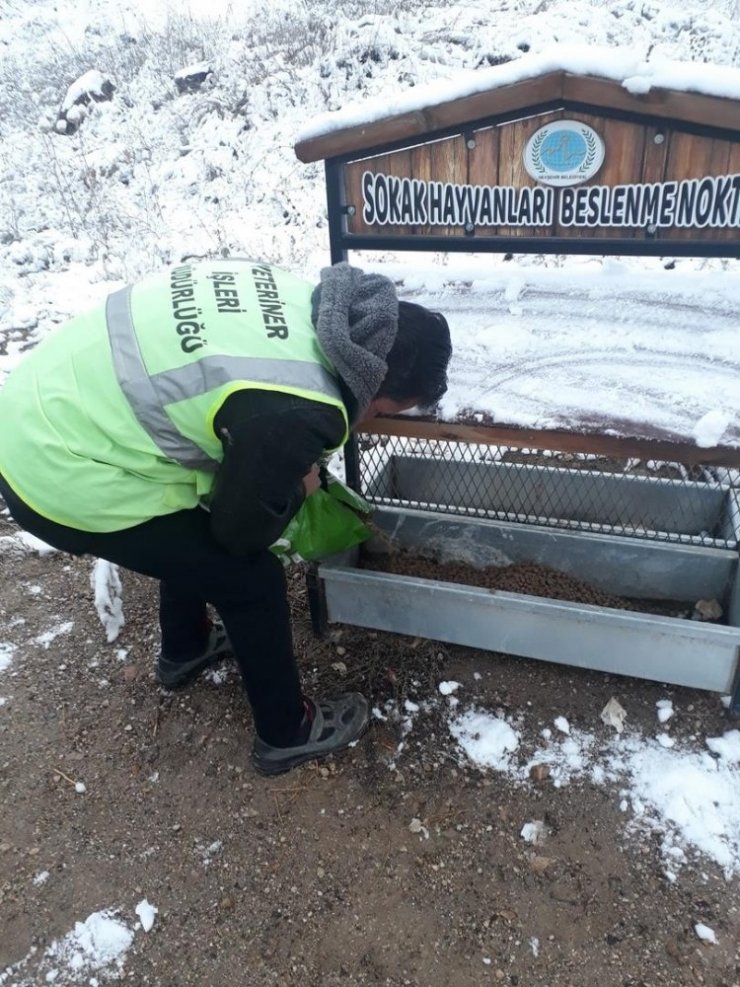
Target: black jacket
[{"x": 271, "y": 440}]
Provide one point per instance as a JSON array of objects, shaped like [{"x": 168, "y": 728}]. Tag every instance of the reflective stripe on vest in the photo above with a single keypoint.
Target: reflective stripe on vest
[{"x": 147, "y": 394}]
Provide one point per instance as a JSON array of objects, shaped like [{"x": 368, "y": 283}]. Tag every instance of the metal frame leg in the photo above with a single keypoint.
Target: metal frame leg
[
  {"x": 735, "y": 694},
  {"x": 316, "y": 602}
]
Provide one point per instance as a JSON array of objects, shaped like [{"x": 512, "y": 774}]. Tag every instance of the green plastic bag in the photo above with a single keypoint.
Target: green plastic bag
[{"x": 329, "y": 521}]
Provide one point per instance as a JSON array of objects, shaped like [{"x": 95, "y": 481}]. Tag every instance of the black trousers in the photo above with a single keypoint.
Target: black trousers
[{"x": 248, "y": 592}]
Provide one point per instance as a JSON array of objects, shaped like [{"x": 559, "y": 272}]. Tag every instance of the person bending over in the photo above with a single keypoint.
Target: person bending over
[{"x": 175, "y": 431}]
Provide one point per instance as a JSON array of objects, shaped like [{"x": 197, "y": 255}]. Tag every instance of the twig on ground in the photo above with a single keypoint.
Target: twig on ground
[{"x": 58, "y": 771}]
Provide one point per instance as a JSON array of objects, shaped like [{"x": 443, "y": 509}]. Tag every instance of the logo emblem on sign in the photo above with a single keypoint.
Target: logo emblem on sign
[{"x": 565, "y": 152}]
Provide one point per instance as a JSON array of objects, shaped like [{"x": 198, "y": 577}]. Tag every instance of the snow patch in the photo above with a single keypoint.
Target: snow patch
[
  {"x": 705, "y": 933},
  {"x": 7, "y": 650},
  {"x": 691, "y": 798},
  {"x": 447, "y": 688},
  {"x": 23, "y": 542},
  {"x": 534, "y": 832},
  {"x": 47, "y": 637},
  {"x": 208, "y": 852},
  {"x": 106, "y": 584},
  {"x": 146, "y": 913},
  {"x": 710, "y": 428},
  {"x": 727, "y": 746},
  {"x": 487, "y": 740}
]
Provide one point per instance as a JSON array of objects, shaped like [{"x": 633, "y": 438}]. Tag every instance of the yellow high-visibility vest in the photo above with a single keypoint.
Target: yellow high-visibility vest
[{"x": 109, "y": 420}]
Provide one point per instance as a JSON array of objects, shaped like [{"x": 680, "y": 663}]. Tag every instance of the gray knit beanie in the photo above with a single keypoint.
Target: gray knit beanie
[{"x": 356, "y": 320}]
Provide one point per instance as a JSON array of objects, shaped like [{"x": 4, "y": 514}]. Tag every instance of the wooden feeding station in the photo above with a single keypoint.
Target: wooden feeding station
[{"x": 609, "y": 544}]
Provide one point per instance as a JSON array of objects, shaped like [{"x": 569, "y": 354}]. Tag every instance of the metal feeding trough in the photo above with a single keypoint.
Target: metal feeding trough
[
  {"x": 644, "y": 538},
  {"x": 674, "y": 509},
  {"x": 666, "y": 649}
]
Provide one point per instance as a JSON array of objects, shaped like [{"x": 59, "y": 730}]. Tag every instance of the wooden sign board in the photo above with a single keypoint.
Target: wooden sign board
[
  {"x": 557, "y": 163},
  {"x": 530, "y": 177}
]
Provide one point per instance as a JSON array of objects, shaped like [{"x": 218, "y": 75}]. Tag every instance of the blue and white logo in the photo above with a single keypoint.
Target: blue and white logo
[{"x": 565, "y": 152}]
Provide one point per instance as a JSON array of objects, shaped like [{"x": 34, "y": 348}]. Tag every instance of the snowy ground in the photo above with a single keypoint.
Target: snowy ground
[{"x": 152, "y": 177}]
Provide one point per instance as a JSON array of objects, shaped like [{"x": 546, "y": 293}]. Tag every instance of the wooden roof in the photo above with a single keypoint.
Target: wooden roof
[{"x": 560, "y": 86}]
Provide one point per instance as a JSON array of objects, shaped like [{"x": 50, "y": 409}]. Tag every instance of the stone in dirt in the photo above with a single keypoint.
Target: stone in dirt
[
  {"x": 707, "y": 610},
  {"x": 539, "y": 773}
]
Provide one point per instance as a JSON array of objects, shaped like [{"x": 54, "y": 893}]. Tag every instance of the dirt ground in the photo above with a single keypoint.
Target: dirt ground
[{"x": 315, "y": 878}]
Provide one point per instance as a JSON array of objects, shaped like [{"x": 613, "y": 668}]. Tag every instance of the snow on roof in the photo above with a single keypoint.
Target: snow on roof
[{"x": 620, "y": 65}]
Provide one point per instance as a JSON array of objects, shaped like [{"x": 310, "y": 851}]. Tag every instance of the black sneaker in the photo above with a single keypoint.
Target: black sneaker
[
  {"x": 336, "y": 724},
  {"x": 176, "y": 674}
]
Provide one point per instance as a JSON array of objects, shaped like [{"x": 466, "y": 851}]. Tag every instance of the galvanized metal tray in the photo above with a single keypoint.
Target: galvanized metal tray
[{"x": 666, "y": 649}]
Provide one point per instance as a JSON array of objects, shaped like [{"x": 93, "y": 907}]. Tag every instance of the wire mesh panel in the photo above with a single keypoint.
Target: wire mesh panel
[{"x": 579, "y": 491}]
